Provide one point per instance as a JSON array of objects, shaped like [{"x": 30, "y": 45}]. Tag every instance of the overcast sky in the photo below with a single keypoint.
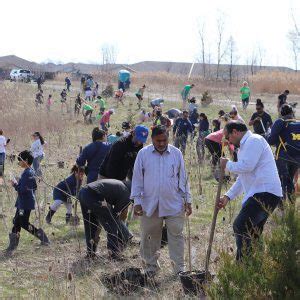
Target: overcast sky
[{"x": 161, "y": 30}]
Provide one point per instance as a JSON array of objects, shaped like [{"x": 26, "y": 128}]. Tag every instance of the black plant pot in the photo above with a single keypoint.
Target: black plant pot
[
  {"x": 192, "y": 282},
  {"x": 61, "y": 164}
]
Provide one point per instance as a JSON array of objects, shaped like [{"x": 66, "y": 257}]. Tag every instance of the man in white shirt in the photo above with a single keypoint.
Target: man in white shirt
[
  {"x": 161, "y": 192},
  {"x": 257, "y": 179}
]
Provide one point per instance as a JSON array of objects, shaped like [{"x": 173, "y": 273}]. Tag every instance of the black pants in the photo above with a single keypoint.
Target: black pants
[
  {"x": 250, "y": 221},
  {"x": 95, "y": 214},
  {"x": 215, "y": 150},
  {"x": 287, "y": 168},
  {"x": 21, "y": 220}
]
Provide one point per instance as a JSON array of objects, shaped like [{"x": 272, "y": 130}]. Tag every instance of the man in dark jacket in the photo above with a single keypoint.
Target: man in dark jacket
[
  {"x": 102, "y": 203},
  {"x": 119, "y": 162},
  {"x": 285, "y": 134},
  {"x": 25, "y": 203},
  {"x": 93, "y": 154},
  {"x": 181, "y": 129}
]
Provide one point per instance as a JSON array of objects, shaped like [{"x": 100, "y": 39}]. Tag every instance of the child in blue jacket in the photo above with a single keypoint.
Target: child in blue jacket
[
  {"x": 25, "y": 187},
  {"x": 62, "y": 192}
]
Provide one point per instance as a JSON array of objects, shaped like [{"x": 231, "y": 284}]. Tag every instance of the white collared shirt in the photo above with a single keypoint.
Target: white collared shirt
[
  {"x": 160, "y": 181},
  {"x": 256, "y": 169}
]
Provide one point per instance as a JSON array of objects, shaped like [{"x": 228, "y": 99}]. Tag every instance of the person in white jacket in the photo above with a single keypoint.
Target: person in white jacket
[{"x": 37, "y": 150}]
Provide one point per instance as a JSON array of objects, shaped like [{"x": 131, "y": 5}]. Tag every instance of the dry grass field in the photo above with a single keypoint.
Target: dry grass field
[{"x": 59, "y": 271}]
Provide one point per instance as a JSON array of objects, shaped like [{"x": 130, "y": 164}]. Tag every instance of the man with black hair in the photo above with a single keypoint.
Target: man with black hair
[
  {"x": 164, "y": 198},
  {"x": 102, "y": 203},
  {"x": 285, "y": 135},
  {"x": 260, "y": 120},
  {"x": 257, "y": 179},
  {"x": 93, "y": 154},
  {"x": 25, "y": 203},
  {"x": 282, "y": 99}
]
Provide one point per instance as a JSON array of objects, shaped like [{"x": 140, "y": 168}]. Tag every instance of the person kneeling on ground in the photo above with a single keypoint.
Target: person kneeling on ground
[
  {"x": 25, "y": 203},
  {"x": 62, "y": 192},
  {"x": 257, "y": 178},
  {"x": 102, "y": 203}
]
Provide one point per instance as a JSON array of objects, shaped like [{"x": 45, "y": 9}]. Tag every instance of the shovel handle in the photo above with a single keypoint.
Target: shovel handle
[{"x": 214, "y": 220}]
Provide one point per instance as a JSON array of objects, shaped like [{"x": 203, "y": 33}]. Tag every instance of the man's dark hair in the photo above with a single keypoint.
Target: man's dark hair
[
  {"x": 26, "y": 156},
  {"x": 237, "y": 125},
  {"x": 203, "y": 115},
  {"x": 286, "y": 109},
  {"x": 97, "y": 134},
  {"x": 221, "y": 113},
  {"x": 158, "y": 130},
  {"x": 185, "y": 112},
  {"x": 259, "y": 103},
  {"x": 287, "y": 91}
]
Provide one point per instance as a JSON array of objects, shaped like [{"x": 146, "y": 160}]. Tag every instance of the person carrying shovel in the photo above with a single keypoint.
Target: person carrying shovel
[{"x": 257, "y": 179}]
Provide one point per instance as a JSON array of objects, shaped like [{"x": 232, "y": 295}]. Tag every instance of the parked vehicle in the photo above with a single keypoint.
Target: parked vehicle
[{"x": 20, "y": 75}]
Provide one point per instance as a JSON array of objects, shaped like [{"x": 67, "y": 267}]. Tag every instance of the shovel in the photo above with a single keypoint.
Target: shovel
[{"x": 213, "y": 223}]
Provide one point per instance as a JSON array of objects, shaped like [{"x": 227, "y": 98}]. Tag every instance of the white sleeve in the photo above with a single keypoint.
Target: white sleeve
[
  {"x": 235, "y": 190},
  {"x": 137, "y": 186}
]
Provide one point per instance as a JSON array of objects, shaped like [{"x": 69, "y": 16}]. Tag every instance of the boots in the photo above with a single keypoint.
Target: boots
[
  {"x": 13, "y": 242},
  {"x": 68, "y": 218},
  {"x": 50, "y": 215},
  {"x": 41, "y": 235}
]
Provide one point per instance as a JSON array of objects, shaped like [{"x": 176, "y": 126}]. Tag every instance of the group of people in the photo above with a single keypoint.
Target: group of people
[{"x": 154, "y": 179}]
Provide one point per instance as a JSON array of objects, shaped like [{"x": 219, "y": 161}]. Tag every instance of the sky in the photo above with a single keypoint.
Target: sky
[{"x": 140, "y": 30}]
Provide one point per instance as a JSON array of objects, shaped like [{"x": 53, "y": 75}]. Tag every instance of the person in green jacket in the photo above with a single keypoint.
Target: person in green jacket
[
  {"x": 245, "y": 94},
  {"x": 87, "y": 111},
  {"x": 185, "y": 94}
]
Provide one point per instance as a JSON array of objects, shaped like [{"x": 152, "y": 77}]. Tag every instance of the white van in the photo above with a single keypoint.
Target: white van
[{"x": 20, "y": 75}]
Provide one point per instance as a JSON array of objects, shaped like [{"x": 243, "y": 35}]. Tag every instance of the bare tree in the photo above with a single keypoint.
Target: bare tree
[
  {"x": 294, "y": 38},
  {"x": 221, "y": 48},
  {"x": 202, "y": 59},
  {"x": 261, "y": 54},
  {"x": 253, "y": 62},
  {"x": 231, "y": 58},
  {"x": 109, "y": 58}
]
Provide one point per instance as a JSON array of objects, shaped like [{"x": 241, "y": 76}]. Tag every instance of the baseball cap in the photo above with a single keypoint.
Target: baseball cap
[{"x": 141, "y": 133}]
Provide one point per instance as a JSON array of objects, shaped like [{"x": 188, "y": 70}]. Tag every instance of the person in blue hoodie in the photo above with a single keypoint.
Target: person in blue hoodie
[
  {"x": 93, "y": 154},
  {"x": 25, "y": 187},
  {"x": 63, "y": 191},
  {"x": 285, "y": 135}
]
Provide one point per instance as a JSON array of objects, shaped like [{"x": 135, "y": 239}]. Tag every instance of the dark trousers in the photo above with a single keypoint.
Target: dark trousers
[
  {"x": 92, "y": 176},
  {"x": 180, "y": 142},
  {"x": 2, "y": 161},
  {"x": 21, "y": 220},
  {"x": 215, "y": 150},
  {"x": 250, "y": 221},
  {"x": 95, "y": 214},
  {"x": 287, "y": 168}
]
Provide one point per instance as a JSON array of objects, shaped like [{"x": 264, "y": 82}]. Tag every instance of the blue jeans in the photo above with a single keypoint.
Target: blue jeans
[
  {"x": 250, "y": 221},
  {"x": 36, "y": 165},
  {"x": 94, "y": 215},
  {"x": 2, "y": 161}
]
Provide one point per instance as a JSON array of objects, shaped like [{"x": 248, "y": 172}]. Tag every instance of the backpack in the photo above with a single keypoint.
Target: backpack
[{"x": 291, "y": 141}]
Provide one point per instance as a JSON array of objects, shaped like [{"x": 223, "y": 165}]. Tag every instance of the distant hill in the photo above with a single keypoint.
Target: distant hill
[{"x": 12, "y": 61}]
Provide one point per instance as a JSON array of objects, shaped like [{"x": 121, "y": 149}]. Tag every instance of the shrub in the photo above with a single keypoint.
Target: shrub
[{"x": 270, "y": 273}]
